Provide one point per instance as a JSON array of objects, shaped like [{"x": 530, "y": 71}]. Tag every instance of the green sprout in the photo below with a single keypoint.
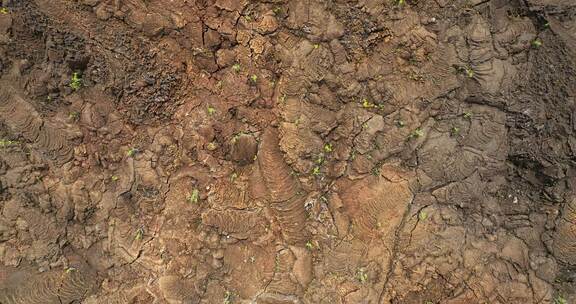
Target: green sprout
[
  {"x": 194, "y": 196},
  {"x": 422, "y": 215},
  {"x": 254, "y": 79},
  {"x": 76, "y": 81},
  {"x": 309, "y": 245},
  {"x": 400, "y": 124},
  {"x": 236, "y": 67},
  {"x": 416, "y": 133},
  {"x": 454, "y": 131},
  {"x": 367, "y": 104},
  {"x": 139, "y": 234},
  {"x": 560, "y": 300},
  {"x": 536, "y": 43},
  {"x": 328, "y": 148},
  {"x": 320, "y": 159},
  {"x": 211, "y": 110},
  {"x": 114, "y": 178},
  {"x": 132, "y": 151},
  {"x": 5, "y": 143},
  {"x": 211, "y": 146},
  {"x": 467, "y": 115},
  {"x": 228, "y": 297},
  {"x": 73, "y": 115},
  {"x": 469, "y": 72},
  {"x": 361, "y": 275},
  {"x": 316, "y": 171},
  {"x": 4, "y": 11},
  {"x": 316, "y": 46}
]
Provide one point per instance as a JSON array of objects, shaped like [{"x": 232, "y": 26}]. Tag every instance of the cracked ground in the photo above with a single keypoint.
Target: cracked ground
[{"x": 288, "y": 151}]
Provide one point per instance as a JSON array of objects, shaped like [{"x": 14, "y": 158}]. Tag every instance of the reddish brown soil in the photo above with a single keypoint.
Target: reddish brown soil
[{"x": 288, "y": 151}]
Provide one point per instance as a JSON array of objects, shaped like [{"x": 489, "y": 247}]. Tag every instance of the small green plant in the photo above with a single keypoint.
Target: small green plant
[
  {"x": 236, "y": 67},
  {"x": 316, "y": 171},
  {"x": 277, "y": 10},
  {"x": 194, "y": 196},
  {"x": 560, "y": 300},
  {"x": 132, "y": 152},
  {"x": 375, "y": 171},
  {"x": 69, "y": 270},
  {"x": 536, "y": 43},
  {"x": 416, "y": 133},
  {"x": 454, "y": 131},
  {"x": 211, "y": 146},
  {"x": 309, "y": 245},
  {"x": 139, "y": 234},
  {"x": 76, "y": 81},
  {"x": 316, "y": 46},
  {"x": 400, "y": 124},
  {"x": 469, "y": 72},
  {"x": 73, "y": 115},
  {"x": 422, "y": 215},
  {"x": 254, "y": 79},
  {"x": 5, "y": 143},
  {"x": 467, "y": 115},
  {"x": 114, "y": 178},
  {"x": 228, "y": 297},
  {"x": 361, "y": 275},
  {"x": 4, "y": 11},
  {"x": 211, "y": 110},
  {"x": 328, "y": 148},
  {"x": 248, "y": 18},
  {"x": 367, "y": 104}
]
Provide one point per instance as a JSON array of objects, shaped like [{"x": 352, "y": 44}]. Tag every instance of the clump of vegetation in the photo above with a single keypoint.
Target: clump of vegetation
[
  {"x": 467, "y": 115},
  {"x": 469, "y": 72},
  {"x": 277, "y": 10},
  {"x": 422, "y": 215},
  {"x": 328, "y": 148},
  {"x": 5, "y": 143},
  {"x": 309, "y": 245},
  {"x": 367, "y": 104},
  {"x": 254, "y": 79},
  {"x": 236, "y": 67},
  {"x": 400, "y": 2},
  {"x": 70, "y": 269},
  {"x": 316, "y": 171},
  {"x": 560, "y": 300},
  {"x": 139, "y": 234},
  {"x": 211, "y": 146},
  {"x": 454, "y": 131},
  {"x": 228, "y": 296},
  {"x": 416, "y": 133},
  {"x": 132, "y": 152},
  {"x": 114, "y": 178},
  {"x": 211, "y": 110},
  {"x": 316, "y": 46},
  {"x": 361, "y": 275},
  {"x": 73, "y": 115},
  {"x": 536, "y": 43},
  {"x": 194, "y": 196},
  {"x": 4, "y": 11},
  {"x": 76, "y": 81}
]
